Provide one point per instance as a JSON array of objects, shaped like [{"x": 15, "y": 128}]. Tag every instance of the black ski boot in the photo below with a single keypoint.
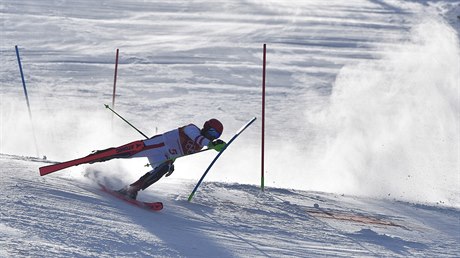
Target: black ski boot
[
  {"x": 147, "y": 180},
  {"x": 129, "y": 191}
]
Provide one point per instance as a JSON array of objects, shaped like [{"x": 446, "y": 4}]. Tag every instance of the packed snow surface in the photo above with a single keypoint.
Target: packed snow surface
[{"x": 362, "y": 127}]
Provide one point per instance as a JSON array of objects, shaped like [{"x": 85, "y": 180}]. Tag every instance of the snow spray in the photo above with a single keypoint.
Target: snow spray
[{"x": 392, "y": 127}]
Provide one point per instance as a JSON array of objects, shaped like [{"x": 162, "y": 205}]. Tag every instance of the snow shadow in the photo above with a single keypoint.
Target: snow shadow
[
  {"x": 235, "y": 234},
  {"x": 181, "y": 235},
  {"x": 394, "y": 244}
]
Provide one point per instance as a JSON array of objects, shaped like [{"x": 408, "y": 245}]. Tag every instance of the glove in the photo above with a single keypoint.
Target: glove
[
  {"x": 217, "y": 145},
  {"x": 171, "y": 170}
]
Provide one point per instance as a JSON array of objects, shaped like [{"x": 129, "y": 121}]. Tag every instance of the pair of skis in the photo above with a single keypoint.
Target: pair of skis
[{"x": 126, "y": 151}]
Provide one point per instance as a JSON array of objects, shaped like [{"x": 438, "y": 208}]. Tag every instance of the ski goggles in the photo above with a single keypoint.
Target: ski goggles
[{"x": 213, "y": 133}]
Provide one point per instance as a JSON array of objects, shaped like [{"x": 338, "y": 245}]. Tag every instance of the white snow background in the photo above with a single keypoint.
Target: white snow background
[{"x": 362, "y": 119}]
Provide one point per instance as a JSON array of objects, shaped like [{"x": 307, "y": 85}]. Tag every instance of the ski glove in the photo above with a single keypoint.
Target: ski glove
[{"x": 217, "y": 145}]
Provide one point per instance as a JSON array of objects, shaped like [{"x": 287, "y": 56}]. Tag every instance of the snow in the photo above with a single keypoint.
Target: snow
[{"x": 363, "y": 127}]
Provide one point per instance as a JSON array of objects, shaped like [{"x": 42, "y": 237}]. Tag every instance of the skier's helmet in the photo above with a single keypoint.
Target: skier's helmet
[{"x": 213, "y": 129}]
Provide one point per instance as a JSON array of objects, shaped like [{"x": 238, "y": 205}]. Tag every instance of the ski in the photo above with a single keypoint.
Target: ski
[
  {"x": 220, "y": 153},
  {"x": 124, "y": 151},
  {"x": 154, "y": 206}
]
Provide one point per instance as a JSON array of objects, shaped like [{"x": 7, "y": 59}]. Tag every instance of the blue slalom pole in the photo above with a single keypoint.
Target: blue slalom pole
[
  {"x": 23, "y": 80},
  {"x": 27, "y": 97}
]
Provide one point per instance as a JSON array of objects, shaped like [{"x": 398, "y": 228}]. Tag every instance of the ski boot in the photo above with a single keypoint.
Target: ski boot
[
  {"x": 147, "y": 180},
  {"x": 129, "y": 191}
]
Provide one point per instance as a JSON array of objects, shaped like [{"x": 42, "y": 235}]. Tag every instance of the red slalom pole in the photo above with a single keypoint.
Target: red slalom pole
[
  {"x": 115, "y": 79},
  {"x": 263, "y": 121}
]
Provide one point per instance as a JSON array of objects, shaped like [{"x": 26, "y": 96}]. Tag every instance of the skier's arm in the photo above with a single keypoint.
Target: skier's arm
[{"x": 193, "y": 132}]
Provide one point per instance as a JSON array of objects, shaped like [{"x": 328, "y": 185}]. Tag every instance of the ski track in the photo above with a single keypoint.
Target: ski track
[{"x": 177, "y": 53}]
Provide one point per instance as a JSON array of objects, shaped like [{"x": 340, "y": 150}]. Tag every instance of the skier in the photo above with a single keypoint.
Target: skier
[{"x": 163, "y": 149}]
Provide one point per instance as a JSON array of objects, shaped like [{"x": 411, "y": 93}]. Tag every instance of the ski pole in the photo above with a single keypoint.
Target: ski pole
[{"x": 107, "y": 106}]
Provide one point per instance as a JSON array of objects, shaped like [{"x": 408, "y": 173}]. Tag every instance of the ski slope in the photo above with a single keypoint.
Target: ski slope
[
  {"x": 69, "y": 216},
  {"x": 363, "y": 127}
]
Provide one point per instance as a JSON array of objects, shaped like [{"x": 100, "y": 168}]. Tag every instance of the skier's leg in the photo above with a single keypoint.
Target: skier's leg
[
  {"x": 148, "y": 179},
  {"x": 153, "y": 176},
  {"x": 154, "y": 151}
]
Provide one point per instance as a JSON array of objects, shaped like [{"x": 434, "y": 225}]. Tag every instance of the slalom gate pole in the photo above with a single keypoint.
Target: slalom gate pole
[
  {"x": 27, "y": 98},
  {"x": 263, "y": 121},
  {"x": 107, "y": 106}
]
